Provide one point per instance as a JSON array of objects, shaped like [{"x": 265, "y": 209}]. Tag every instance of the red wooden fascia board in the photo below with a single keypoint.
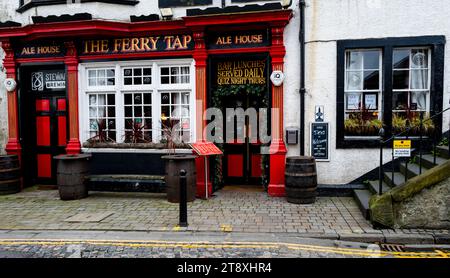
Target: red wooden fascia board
[
  {"x": 92, "y": 27},
  {"x": 271, "y": 17}
]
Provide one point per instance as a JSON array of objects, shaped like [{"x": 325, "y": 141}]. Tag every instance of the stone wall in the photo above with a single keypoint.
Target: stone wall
[
  {"x": 429, "y": 209},
  {"x": 423, "y": 202}
]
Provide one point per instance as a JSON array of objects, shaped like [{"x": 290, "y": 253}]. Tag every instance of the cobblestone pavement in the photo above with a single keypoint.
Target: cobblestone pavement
[
  {"x": 57, "y": 244},
  {"x": 227, "y": 211}
]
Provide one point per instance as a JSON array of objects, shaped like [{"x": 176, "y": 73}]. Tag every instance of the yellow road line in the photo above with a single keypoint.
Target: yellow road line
[{"x": 205, "y": 244}]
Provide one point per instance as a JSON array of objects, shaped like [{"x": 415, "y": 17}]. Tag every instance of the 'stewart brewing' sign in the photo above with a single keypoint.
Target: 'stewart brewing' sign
[{"x": 48, "y": 80}]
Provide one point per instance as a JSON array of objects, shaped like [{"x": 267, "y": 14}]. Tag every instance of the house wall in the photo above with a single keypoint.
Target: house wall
[{"x": 330, "y": 20}]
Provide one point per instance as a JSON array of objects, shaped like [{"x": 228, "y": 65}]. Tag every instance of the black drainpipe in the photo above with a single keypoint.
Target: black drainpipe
[{"x": 302, "y": 76}]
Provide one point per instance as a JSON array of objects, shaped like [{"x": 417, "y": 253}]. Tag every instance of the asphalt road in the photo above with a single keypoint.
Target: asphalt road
[{"x": 101, "y": 244}]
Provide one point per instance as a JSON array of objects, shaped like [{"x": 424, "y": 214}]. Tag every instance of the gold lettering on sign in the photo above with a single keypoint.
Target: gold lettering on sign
[
  {"x": 240, "y": 39},
  {"x": 136, "y": 44},
  {"x": 41, "y": 50},
  {"x": 241, "y": 72}
]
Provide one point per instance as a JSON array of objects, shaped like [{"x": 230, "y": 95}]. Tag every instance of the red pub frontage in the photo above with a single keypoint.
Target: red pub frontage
[{"x": 84, "y": 79}]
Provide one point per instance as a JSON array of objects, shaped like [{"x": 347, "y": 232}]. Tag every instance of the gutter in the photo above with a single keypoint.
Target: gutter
[{"x": 302, "y": 76}]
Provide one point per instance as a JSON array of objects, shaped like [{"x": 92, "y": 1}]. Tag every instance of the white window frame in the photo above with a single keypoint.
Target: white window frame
[
  {"x": 155, "y": 88},
  {"x": 410, "y": 69},
  {"x": 361, "y": 92}
]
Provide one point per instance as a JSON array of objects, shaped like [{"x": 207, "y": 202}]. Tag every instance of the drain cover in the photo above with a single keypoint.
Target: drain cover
[
  {"x": 88, "y": 217},
  {"x": 392, "y": 247}
]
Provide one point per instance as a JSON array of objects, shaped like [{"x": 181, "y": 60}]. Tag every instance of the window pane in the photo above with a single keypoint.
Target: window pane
[
  {"x": 371, "y": 60},
  {"x": 164, "y": 71},
  {"x": 138, "y": 81},
  {"x": 165, "y": 80},
  {"x": 419, "y": 100},
  {"x": 401, "y": 79},
  {"x": 111, "y": 73},
  {"x": 128, "y": 111},
  {"x": 127, "y": 72},
  {"x": 92, "y": 82},
  {"x": 92, "y": 99},
  {"x": 101, "y": 99},
  {"x": 128, "y": 99},
  {"x": 147, "y": 80},
  {"x": 419, "y": 58},
  {"x": 111, "y": 82},
  {"x": 128, "y": 81},
  {"x": 354, "y": 60},
  {"x": 399, "y": 100},
  {"x": 137, "y": 99},
  {"x": 354, "y": 81},
  {"x": 111, "y": 99},
  {"x": 353, "y": 101},
  {"x": 419, "y": 79},
  {"x": 93, "y": 112},
  {"x": 165, "y": 98},
  {"x": 101, "y": 73},
  {"x": 401, "y": 59},
  {"x": 147, "y": 71},
  {"x": 137, "y": 72},
  {"x": 147, "y": 98},
  {"x": 147, "y": 111},
  {"x": 111, "y": 112},
  {"x": 371, "y": 80}
]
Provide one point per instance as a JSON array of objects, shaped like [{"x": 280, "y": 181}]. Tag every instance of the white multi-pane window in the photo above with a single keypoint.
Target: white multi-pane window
[
  {"x": 101, "y": 77},
  {"x": 135, "y": 102},
  {"x": 137, "y": 76},
  {"x": 102, "y": 116},
  {"x": 175, "y": 114},
  {"x": 138, "y": 117},
  {"x": 363, "y": 92},
  {"x": 175, "y": 75},
  {"x": 411, "y": 79},
  {"x": 363, "y": 80}
]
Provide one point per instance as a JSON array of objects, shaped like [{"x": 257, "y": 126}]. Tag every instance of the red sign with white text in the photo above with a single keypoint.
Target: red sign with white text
[{"x": 206, "y": 148}]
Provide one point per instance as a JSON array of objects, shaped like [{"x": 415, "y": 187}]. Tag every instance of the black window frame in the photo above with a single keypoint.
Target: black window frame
[
  {"x": 36, "y": 3},
  {"x": 185, "y": 3},
  {"x": 387, "y": 45}
]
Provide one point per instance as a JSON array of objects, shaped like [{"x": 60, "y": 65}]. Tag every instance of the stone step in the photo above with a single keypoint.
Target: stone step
[
  {"x": 374, "y": 187},
  {"x": 412, "y": 171},
  {"x": 443, "y": 152},
  {"x": 362, "y": 198},
  {"x": 399, "y": 179},
  {"x": 428, "y": 160}
]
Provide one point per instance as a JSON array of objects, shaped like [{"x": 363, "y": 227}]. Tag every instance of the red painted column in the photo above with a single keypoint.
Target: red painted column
[
  {"x": 71, "y": 61},
  {"x": 13, "y": 145},
  {"x": 200, "y": 57},
  {"x": 277, "y": 147}
]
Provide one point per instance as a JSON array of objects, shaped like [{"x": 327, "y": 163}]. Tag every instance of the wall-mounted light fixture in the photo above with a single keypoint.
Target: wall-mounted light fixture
[
  {"x": 166, "y": 13},
  {"x": 10, "y": 84}
]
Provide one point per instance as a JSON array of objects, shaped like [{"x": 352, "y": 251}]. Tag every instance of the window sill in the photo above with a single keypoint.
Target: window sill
[{"x": 37, "y": 3}]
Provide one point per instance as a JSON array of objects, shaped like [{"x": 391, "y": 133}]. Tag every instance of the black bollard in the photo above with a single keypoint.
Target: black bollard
[{"x": 183, "y": 199}]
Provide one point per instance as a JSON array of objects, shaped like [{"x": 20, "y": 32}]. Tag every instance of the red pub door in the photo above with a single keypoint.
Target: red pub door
[{"x": 44, "y": 123}]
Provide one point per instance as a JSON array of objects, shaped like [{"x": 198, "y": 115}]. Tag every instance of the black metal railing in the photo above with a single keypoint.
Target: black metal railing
[{"x": 435, "y": 138}]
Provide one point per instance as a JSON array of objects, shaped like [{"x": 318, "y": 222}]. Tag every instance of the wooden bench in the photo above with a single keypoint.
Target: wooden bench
[{"x": 126, "y": 183}]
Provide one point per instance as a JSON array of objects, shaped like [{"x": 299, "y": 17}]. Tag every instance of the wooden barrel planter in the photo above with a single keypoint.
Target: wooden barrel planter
[
  {"x": 9, "y": 174},
  {"x": 301, "y": 180},
  {"x": 71, "y": 176},
  {"x": 174, "y": 164}
]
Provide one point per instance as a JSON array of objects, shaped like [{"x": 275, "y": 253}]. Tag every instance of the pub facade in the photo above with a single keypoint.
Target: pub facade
[{"x": 99, "y": 77}]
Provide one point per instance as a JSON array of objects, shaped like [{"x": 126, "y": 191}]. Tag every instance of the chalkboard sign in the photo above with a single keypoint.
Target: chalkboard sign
[{"x": 320, "y": 141}]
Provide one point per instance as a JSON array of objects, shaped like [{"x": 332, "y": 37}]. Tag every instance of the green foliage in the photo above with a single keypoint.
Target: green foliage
[{"x": 235, "y": 90}]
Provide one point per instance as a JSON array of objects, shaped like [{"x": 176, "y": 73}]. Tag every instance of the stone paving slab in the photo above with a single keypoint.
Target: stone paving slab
[{"x": 227, "y": 211}]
